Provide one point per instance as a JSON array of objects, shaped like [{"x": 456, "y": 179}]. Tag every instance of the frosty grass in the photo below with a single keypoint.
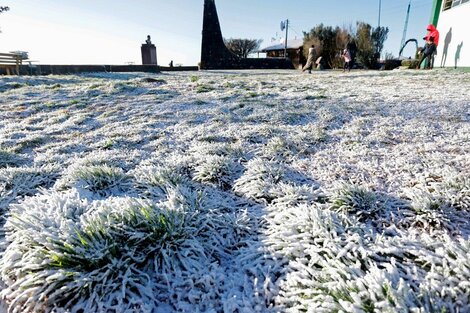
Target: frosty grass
[{"x": 255, "y": 191}]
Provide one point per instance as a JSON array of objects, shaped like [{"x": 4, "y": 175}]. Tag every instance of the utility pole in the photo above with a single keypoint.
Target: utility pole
[
  {"x": 380, "y": 10},
  {"x": 287, "y": 32},
  {"x": 285, "y": 25},
  {"x": 405, "y": 29}
]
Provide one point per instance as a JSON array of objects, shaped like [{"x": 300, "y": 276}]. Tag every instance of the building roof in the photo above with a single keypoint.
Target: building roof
[{"x": 291, "y": 44}]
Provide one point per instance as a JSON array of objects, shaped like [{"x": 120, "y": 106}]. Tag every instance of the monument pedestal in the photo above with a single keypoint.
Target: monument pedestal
[{"x": 149, "y": 54}]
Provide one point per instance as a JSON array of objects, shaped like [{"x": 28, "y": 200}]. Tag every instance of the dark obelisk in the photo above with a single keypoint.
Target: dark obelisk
[{"x": 214, "y": 53}]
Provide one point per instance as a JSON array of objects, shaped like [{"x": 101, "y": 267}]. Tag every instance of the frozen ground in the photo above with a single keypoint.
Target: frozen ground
[{"x": 236, "y": 192}]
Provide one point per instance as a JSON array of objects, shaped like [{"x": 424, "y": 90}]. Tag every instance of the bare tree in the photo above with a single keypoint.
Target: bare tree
[{"x": 242, "y": 47}]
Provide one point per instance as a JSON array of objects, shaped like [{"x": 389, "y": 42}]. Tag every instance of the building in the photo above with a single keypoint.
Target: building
[
  {"x": 294, "y": 51},
  {"x": 451, "y": 18}
]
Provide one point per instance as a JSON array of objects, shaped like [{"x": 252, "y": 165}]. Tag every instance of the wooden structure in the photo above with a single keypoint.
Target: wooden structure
[
  {"x": 11, "y": 62},
  {"x": 295, "y": 48}
]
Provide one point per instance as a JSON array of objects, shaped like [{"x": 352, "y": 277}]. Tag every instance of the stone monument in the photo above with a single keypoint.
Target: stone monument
[
  {"x": 149, "y": 52},
  {"x": 215, "y": 55}
]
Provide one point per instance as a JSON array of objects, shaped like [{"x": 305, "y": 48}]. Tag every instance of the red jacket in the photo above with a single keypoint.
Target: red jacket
[{"x": 434, "y": 33}]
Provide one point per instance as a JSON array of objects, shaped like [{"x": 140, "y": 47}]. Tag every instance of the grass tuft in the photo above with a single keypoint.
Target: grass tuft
[
  {"x": 89, "y": 262},
  {"x": 103, "y": 180},
  {"x": 10, "y": 159},
  {"x": 215, "y": 170},
  {"x": 353, "y": 199}
]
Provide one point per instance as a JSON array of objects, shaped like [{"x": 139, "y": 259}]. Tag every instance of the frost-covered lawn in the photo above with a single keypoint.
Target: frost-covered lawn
[{"x": 236, "y": 192}]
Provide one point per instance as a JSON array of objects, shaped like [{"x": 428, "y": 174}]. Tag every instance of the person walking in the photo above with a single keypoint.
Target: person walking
[
  {"x": 352, "y": 47},
  {"x": 312, "y": 56},
  {"x": 346, "y": 55}
]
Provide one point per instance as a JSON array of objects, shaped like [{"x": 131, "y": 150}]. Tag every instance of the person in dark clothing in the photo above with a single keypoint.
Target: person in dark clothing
[
  {"x": 427, "y": 53},
  {"x": 346, "y": 55},
  {"x": 352, "y": 48}
]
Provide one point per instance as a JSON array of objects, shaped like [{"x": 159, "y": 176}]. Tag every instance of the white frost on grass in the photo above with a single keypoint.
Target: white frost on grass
[
  {"x": 236, "y": 191},
  {"x": 18, "y": 182}
]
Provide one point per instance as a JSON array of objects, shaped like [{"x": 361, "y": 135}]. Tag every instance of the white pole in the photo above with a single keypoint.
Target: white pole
[
  {"x": 285, "y": 43},
  {"x": 380, "y": 9}
]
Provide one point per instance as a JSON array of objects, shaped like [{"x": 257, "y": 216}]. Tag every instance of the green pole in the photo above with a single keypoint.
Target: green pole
[{"x": 436, "y": 10}]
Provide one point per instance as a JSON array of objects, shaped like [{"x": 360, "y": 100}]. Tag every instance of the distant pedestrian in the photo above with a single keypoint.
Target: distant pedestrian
[
  {"x": 171, "y": 63},
  {"x": 312, "y": 56},
  {"x": 352, "y": 47},
  {"x": 346, "y": 55}
]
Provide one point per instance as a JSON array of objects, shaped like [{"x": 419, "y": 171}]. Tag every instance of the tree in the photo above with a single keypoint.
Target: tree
[
  {"x": 370, "y": 43},
  {"x": 242, "y": 47},
  {"x": 379, "y": 35},
  {"x": 365, "y": 50},
  {"x": 328, "y": 41}
]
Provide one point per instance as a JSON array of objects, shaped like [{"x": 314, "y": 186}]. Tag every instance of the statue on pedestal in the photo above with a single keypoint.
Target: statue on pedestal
[{"x": 149, "y": 52}]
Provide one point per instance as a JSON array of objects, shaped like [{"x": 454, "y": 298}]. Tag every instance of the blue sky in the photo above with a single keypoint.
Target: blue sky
[{"x": 111, "y": 31}]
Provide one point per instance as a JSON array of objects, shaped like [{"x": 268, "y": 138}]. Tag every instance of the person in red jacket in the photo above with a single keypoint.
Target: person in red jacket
[
  {"x": 432, "y": 38},
  {"x": 432, "y": 32}
]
